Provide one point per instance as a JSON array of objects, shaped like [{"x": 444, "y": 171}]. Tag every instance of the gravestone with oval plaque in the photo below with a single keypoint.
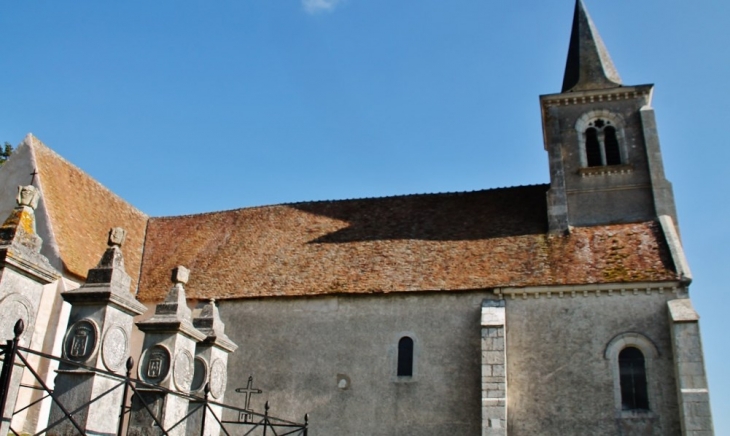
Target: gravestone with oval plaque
[
  {"x": 23, "y": 273},
  {"x": 212, "y": 353},
  {"x": 167, "y": 357},
  {"x": 99, "y": 328}
]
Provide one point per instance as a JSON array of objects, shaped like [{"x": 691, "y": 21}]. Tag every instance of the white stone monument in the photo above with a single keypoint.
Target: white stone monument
[
  {"x": 211, "y": 368},
  {"x": 167, "y": 360},
  {"x": 23, "y": 272},
  {"x": 97, "y": 336}
]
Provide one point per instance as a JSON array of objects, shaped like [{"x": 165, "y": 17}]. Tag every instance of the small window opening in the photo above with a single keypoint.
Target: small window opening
[
  {"x": 601, "y": 142},
  {"x": 613, "y": 155},
  {"x": 405, "y": 357},
  {"x": 593, "y": 148},
  {"x": 632, "y": 370}
]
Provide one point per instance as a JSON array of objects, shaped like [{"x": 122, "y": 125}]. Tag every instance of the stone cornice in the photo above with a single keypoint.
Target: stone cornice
[
  {"x": 30, "y": 264},
  {"x": 221, "y": 342},
  {"x": 171, "y": 324},
  {"x": 598, "y": 95},
  {"x": 100, "y": 295},
  {"x": 594, "y": 290},
  {"x": 605, "y": 169}
]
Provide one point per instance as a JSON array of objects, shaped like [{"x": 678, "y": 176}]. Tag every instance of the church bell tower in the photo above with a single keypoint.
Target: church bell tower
[{"x": 601, "y": 138}]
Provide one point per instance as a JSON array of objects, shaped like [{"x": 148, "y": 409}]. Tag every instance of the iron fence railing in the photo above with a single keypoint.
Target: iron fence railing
[{"x": 226, "y": 419}]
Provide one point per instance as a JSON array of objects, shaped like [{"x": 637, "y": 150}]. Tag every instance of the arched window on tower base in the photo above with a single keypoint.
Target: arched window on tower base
[
  {"x": 631, "y": 357},
  {"x": 632, "y": 373}
]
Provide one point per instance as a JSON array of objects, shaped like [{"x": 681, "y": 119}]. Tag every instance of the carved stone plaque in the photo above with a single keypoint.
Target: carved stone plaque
[
  {"x": 200, "y": 374},
  {"x": 81, "y": 340},
  {"x": 218, "y": 378},
  {"x": 116, "y": 236},
  {"x": 114, "y": 348},
  {"x": 28, "y": 196},
  {"x": 155, "y": 364},
  {"x": 183, "y": 370}
]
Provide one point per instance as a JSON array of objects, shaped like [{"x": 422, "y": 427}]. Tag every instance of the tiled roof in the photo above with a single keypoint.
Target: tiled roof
[
  {"x": 456, "y": 241},
  {"x": 82, "y": 211}
]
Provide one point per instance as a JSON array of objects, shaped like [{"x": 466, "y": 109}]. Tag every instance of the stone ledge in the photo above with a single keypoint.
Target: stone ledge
[{"x": 595, "y": 290}]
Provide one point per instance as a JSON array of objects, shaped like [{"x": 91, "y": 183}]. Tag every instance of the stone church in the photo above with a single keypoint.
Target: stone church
[{"x": 555, "y": 309}]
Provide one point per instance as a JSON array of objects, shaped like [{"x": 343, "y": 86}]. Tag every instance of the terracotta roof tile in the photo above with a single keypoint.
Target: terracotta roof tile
[
  {"x": 457, "y": 241},
  {"x": 82, "y": 211}
]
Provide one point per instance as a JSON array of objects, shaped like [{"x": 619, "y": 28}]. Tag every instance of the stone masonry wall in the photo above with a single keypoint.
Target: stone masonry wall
[{"x": 494, "y": 362}]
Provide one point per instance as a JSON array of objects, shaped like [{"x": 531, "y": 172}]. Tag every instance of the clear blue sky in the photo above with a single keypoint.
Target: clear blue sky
[{"x": 192, "y": 106}]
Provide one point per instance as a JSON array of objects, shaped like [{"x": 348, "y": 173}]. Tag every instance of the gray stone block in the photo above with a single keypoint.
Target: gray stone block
[{"x": 493, "y": 357}]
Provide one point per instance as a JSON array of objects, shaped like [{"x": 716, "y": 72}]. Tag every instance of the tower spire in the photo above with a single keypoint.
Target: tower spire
[{"x": 589, "y": 65}]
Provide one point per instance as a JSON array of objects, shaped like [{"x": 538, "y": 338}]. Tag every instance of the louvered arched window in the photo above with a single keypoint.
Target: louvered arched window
[{"x": 602, "y": 146}]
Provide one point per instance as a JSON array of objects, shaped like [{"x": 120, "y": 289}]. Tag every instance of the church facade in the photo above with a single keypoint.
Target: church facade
[{"x": 556, "y": 309}]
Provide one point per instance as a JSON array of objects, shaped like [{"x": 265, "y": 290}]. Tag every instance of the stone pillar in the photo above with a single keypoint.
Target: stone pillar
[
  {"x": 167, "y": 361},
  {"x": 98, "y": 334},
  {"x": 494, "y": 369},
  {"x": 23, "y": 272},
  {"x": 211, "y": 367},
  {"x": 689, "y": 367}
]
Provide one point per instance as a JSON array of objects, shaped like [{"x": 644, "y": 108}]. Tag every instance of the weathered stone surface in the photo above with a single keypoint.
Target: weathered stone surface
[
  {"x": 494, "y": 359},
  {"x": 167, "y": 357},
  {"x": 98, "y": 333},
  {"x": 117, "y": 236},
  {"x": 681, "y": 310},
  {"x": 212, "y": 353},
  {"x": 692, "y": 392},
  {"x": 209, "y": 323},
  {"x": 183, "y": 370},
  {"x": 115, "y": 347},
  {"x": 23, "y": 273}
]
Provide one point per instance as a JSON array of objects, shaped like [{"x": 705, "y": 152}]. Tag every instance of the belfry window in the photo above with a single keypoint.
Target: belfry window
[
  {"x": 405, "y": 357},
  {"x": 601, "y": 143},
  {"x": 632, "y": 371}
]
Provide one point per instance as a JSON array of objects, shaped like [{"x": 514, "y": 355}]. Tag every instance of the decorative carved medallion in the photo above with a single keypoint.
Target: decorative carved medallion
[
  {"x": 81, "y": 340},
  {"x": 114, "y": 348},
  {"x": 200, "y": 374},
  {"x": 155, "y": 364},
  {"x": 14, "y": 307},
  {"x": 218, "y": 378},
  {"x": 183, "y": 370}
]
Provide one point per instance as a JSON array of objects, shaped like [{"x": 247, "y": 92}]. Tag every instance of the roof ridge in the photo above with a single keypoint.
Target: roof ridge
[{"x": 445, "y": 193}]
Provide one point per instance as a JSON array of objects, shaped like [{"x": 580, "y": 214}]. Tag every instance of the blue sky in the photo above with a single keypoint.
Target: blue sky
[{"x": 190, "y": 106}]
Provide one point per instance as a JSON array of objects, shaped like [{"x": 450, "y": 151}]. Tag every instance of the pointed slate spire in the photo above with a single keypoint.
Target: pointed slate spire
[{"x": 589, "y": 65}]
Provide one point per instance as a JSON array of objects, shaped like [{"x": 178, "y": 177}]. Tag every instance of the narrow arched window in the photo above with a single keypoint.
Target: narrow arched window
[
  {"x": 613, "y": 155},
  {"x": 632, "y": 371},
  {"x": 405, "y": 357},
  {"x": 593, "y": 148}
]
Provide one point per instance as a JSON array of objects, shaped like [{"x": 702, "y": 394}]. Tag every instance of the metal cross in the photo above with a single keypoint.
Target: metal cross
[
  {"x": 248, "y": 391},
  {"x": 34, "y": 173}
]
